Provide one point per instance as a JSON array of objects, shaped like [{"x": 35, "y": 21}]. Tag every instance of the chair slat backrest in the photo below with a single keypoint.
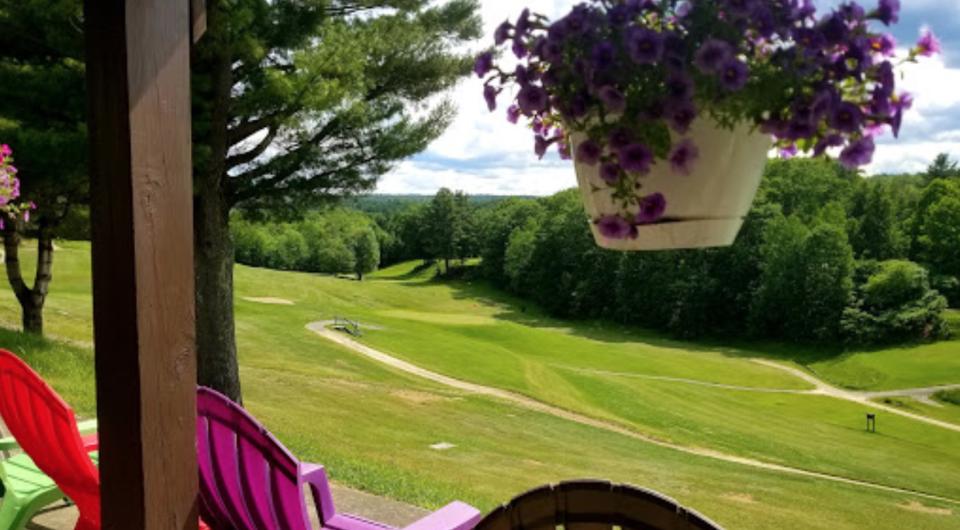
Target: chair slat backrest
[
  {"x": 248, "y": 479},
  {"x": 593, "y": 505},
  {"x": 46, "y": 429}
]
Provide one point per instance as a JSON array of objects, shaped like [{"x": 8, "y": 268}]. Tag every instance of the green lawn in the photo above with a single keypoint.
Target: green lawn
[
  {"x": 373, "y": 426},
  {"x": 901, "y": 367},
  {"x": 945, "y": 411}
]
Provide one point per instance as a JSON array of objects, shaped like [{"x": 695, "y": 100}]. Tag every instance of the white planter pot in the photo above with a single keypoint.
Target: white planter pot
[{"x": 705, "y": 208}]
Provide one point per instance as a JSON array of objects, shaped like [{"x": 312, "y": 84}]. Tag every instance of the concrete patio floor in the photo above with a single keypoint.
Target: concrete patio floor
[{"x": 393, "y": 513}]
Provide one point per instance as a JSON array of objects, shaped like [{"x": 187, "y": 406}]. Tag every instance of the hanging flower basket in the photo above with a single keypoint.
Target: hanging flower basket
[{"x": 670, "y": 108}]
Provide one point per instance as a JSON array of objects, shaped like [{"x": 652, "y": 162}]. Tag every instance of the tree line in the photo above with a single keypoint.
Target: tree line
[{"x": 825, "y": 256}]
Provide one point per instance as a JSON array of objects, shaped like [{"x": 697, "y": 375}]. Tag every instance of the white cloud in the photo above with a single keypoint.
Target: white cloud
[{"x": 483, "y": 153}]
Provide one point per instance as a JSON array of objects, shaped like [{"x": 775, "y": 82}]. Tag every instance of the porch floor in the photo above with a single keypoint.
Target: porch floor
[{"x": 393, "y": 513}]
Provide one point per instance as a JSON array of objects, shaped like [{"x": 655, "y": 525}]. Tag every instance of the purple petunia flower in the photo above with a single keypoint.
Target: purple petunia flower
[
  {"x": 484, "y": 64},
  {"x": 616, "y": 227},
  {"x": 635, "y": 158},
  {"x": 603, "y": 56},
  {"x": 740, "y": 8},
  {"x": 645, "y": 45},
  {"x": 712, "y": 55},
  {"x": 513, "y": 114},
  {"x": 886, "y": 78},
  {"x": 540, "y": 146},
  {"x": 901, "y": 103},
  {"x": 613, "y": 99},
  {"x": 519, "y": 48},
  {"x": 610, "y": 173},
  {"x": 564, "y": 150},
  {"x": 533, "y": 99},
  {"x": 502, "y": 34},
  {"x": 490, "y": 94},
  {"x": 683, "y": 156},
  {"x": 589, "y": 153},
  {"x": 834, "y": 29},
  {"x": 859, "y": 153},
  {"x": 834, "y": 140},
  {"x": 885, "y": 45},
  {"x": 789, "y": 152},
  {"x": 846, "y": 117},
  {"x": 523, "y": 22},
  {"x": 929, "y": 44},
  {"x": 680, "y": 115},
  {"x": 734, "y": 75},
  {"x": 652, "y": 208},
  {"x": 619, "y": 139},
  {"x": 888, "y": 11},
  {"x": 679, "y": 86}
]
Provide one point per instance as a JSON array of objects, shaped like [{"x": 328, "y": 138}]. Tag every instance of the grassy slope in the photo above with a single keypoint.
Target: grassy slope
[
  {"x": 373, "y": 426},
  {"x": 899, "y": 367},
  {"x": 946, "y": 411}
]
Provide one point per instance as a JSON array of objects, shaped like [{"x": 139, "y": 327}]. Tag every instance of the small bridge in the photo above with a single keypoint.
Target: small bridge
[{"x": 345, "y": 324}]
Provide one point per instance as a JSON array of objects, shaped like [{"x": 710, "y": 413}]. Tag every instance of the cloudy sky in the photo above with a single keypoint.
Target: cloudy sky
[{"x": 482, "y": 153}]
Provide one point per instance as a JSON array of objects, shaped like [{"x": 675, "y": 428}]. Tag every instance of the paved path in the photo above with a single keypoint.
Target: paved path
[
  {"x": 322, "y": 329},
  {"x": 820, "y": 388},
  {"x": 824, "y": 389}
]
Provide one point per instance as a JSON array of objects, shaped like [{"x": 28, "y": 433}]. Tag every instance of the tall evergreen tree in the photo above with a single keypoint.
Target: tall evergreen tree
[
  {"x": 42, "y": 116},
  {"x": 298, "y": 101},
  {"x": 943, "y": 167}
]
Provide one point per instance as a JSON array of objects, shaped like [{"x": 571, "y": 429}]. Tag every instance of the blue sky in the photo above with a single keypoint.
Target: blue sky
[{"x": 482, "y": 153}]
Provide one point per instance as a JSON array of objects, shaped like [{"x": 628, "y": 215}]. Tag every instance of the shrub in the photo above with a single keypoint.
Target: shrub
[{"x": 896, "y": 304}]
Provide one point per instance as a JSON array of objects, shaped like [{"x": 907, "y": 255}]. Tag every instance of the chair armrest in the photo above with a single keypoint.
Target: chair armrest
[
  {"x": 315, "y": 476},
  {"x": 91, "y": 442},
  {"x": 8, "y": 444},
  {"x": 454, "y": 516},
  {"x": 87, "y": 426}
]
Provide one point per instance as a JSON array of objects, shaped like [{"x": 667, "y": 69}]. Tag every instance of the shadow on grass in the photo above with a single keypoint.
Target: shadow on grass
[{"x": 526, "y": 313}]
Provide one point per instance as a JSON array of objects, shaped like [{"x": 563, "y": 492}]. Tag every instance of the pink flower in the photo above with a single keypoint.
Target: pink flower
[{"x": 929, "y": 44}]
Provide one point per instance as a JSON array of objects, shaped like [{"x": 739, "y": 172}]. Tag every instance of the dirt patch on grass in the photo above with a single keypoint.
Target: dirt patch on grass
[
  {"x": 914, "y": 506},
  {"x": 419, "y": 398},
  {"x": 742, "y": 498},
  {"x": 268, "y": 300}
]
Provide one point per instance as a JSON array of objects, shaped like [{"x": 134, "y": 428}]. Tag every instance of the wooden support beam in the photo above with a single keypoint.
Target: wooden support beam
[{"x": 138, "y": 60}]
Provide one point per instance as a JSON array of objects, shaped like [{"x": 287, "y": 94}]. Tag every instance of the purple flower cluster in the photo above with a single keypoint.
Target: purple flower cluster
[{"x": 634, "y": 75}]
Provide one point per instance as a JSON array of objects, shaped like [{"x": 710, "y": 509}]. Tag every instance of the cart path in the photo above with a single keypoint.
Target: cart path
[
  {"x": 823, "y": 388},
  {"x": 321, "y": 328},
  {"x": 820, "y": 388}
]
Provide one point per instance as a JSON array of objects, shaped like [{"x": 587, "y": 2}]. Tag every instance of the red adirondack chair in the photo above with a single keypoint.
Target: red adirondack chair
[
  {"x": 250, "y": 481},
  {"x": 46, "y": 429}
]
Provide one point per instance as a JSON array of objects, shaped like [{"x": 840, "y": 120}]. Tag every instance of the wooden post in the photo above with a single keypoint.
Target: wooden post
[{"x": 138, "y": 54}]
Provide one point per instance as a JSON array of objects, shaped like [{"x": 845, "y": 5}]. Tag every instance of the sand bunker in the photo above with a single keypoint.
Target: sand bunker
[{"x": 268, "y": 300}]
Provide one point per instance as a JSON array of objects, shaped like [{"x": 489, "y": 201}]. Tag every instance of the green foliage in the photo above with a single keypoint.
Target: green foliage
[
  {"x": 943, "y": 167},
  {"x": 334, "y": 241},
  {"x": 448, "y": 228},
  {"x": 43, "y": 103},
  {"x": 326, "y": 96},
  {"x": 896, "y": 304},
  {"x": 366, "y": 250}
]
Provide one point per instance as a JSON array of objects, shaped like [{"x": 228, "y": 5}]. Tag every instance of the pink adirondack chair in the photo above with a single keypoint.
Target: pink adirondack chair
[
  {"x": 46, "y": 429},
  {"x": 250, "y": 481}
]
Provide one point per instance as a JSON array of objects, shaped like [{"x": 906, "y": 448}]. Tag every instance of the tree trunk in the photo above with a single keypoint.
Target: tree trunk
[
  {"x": 31, "y": 300},
  {"x": 216, "y": 336}
]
